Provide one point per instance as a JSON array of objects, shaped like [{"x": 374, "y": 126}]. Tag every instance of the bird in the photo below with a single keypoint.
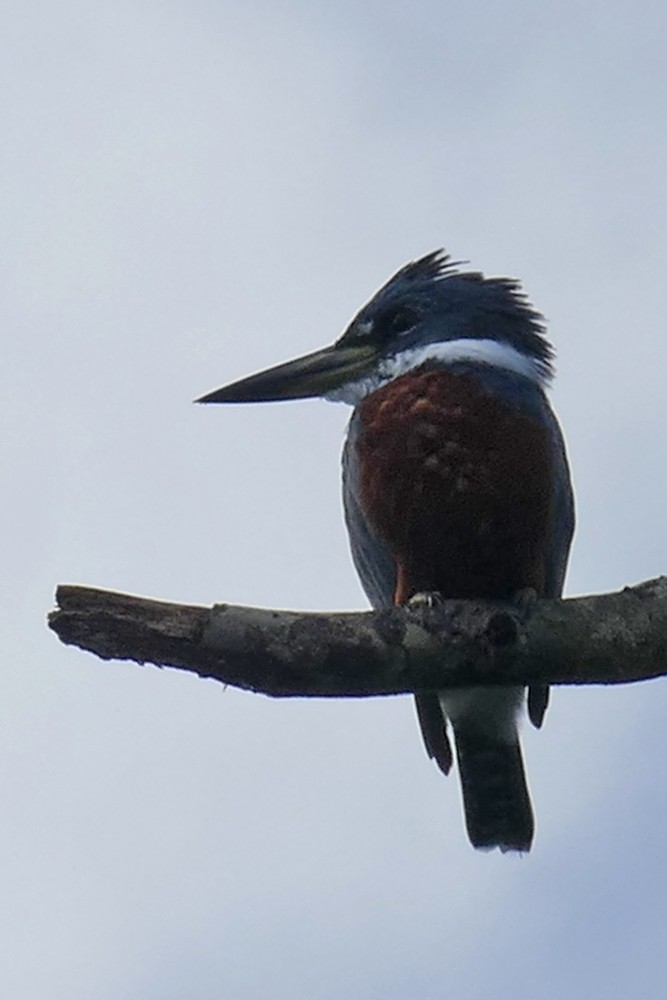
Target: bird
[{"x": 456, "y": 483}]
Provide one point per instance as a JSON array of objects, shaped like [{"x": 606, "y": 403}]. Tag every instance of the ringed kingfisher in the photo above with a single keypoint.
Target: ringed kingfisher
[{"x": 455, "y": 482}]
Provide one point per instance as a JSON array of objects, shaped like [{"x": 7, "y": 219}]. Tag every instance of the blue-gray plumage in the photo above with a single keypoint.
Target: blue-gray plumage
[{"x": 455, "y": 480}]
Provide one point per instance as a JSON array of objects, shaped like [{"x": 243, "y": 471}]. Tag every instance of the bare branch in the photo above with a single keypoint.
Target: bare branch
[{"x": 603, "y": 639}]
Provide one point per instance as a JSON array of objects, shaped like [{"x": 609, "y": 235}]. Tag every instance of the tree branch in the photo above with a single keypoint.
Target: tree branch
[{"x": 602, "y": 639}]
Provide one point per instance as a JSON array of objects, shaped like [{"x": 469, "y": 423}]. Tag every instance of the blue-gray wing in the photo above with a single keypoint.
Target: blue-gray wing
[
  {"x": 563, "y": 508},
  {"x": 563, "y": 530}
]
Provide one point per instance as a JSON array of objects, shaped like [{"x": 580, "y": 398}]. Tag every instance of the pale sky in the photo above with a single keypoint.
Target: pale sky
[{"x": 192, "y": 191}]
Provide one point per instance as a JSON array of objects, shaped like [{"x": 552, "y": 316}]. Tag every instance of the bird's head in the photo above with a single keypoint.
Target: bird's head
[{"x": 428, "y": 311}]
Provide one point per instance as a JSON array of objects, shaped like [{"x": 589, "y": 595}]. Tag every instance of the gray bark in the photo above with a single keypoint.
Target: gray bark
[{"x": 601, "y": 639}]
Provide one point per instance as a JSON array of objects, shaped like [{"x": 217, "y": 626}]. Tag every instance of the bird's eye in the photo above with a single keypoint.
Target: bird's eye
[
  {"x": 401, "y": 319},
  {"x": 383, "y": 326}
]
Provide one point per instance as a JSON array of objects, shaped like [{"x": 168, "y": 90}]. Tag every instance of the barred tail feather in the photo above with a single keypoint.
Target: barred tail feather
[{"x": 495, "y": 794}]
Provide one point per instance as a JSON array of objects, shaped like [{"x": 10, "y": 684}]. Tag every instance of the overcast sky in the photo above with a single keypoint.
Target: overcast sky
[{"x": 192, "y": 191}]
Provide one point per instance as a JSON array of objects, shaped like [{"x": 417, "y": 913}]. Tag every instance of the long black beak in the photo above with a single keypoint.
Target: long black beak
[{"x": 312, "y": 375}]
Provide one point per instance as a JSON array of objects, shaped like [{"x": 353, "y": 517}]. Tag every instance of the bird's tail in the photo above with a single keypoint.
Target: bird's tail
[{"x": 495, "y": 794}]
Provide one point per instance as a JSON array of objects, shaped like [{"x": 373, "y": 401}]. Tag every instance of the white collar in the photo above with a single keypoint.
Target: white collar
[{"x": 494, "y": 353}]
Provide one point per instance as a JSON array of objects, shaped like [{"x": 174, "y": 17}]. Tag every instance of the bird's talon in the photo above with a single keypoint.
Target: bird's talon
[{"x": 426, "y": 599}]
